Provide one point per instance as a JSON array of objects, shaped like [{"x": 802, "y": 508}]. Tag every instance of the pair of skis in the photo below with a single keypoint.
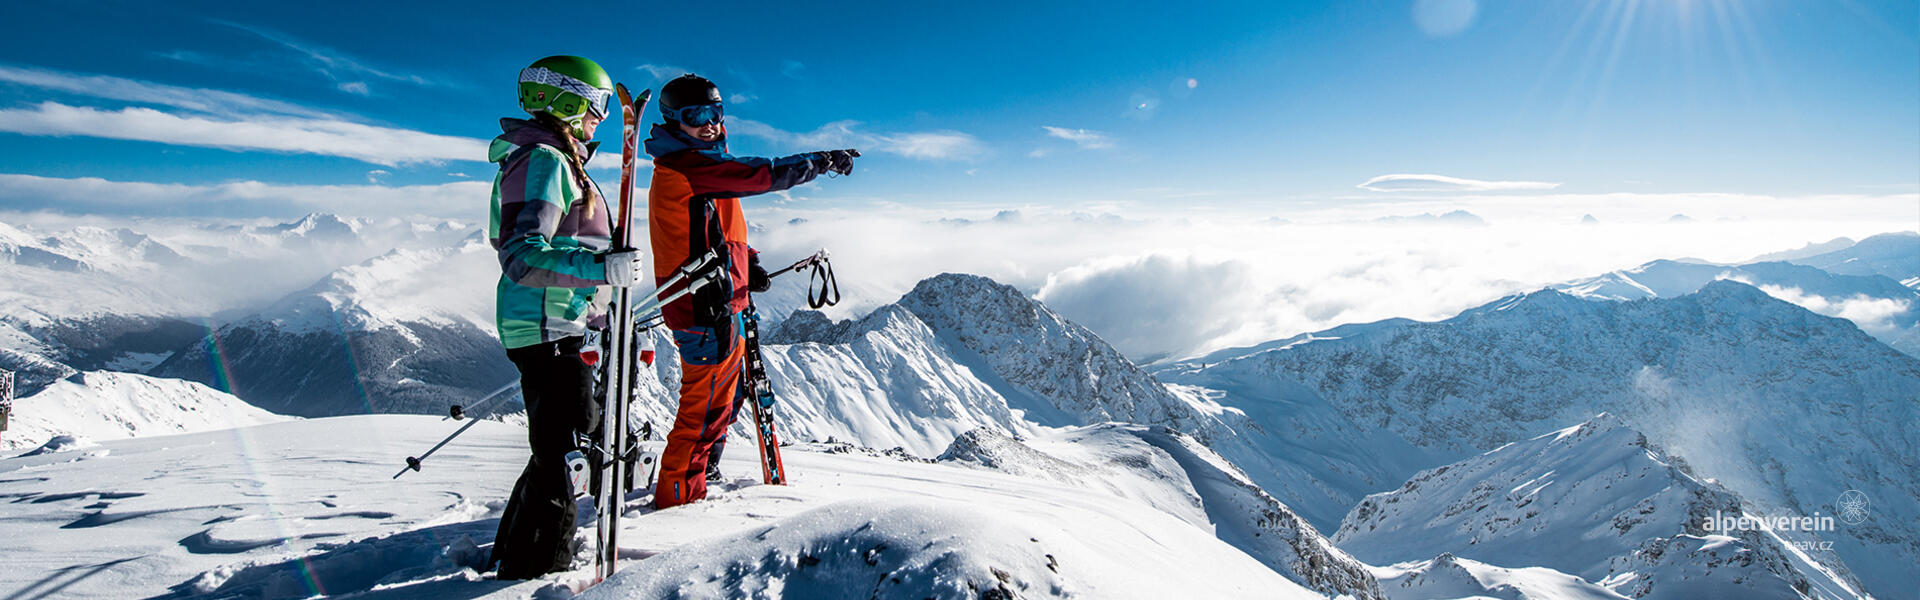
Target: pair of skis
[{"x": 611, "y": 497}]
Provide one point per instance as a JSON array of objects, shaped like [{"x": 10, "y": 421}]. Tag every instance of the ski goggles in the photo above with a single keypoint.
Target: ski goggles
[
  {"x": 698, "y": 115},
  {"x": 597, "y": 104}
]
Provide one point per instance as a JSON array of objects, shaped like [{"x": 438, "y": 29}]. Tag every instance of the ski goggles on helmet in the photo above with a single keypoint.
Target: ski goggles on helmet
[
  {"x": 597, "y": 104},
  {"x": 698, "y": 115}
]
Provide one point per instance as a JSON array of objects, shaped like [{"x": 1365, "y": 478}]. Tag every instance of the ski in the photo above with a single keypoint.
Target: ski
[
  {"x": 611, "y": 497},
  {"x": 761, "y": 395}
]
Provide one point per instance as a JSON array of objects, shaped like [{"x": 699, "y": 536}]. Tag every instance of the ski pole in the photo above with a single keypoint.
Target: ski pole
[{"x": 413, "y": 462}]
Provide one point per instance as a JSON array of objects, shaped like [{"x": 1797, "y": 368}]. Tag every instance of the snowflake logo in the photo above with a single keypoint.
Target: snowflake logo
[{"x": 1853, "y": 507}]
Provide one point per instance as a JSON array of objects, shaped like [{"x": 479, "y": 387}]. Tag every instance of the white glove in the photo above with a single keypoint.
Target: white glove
[{"x": 623, "y": 268}]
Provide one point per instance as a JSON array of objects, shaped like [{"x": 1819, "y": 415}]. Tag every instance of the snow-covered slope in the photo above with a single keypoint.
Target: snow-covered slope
[
  {"x": 1058, "y": 372},
  {"x": 883, "y": 381},
  {"x": 1893, "y": 255},
  {"x": 1882, "y": 307},
  {"x": 1787, "y": 408},
  {"x": 1177, "y": 475},
  {"x": 407, "y": 331},
  {"x": 1809, "y": 250},
  {"x": 295, "y": 509},
  {"x": 92, "y": 298},
  {"x": 1596, "y": 501},
  {"x": 1447, "y": 576},
  {"x": 105, "y": 405},
  {"x": 998, "y": 358}
]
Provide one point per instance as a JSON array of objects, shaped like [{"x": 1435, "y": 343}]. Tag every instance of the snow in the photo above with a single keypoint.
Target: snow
[
  {"x": 1887, "y": 309},
  {"x": 105, "y": 405},
  {"x": 1628, "y": 506},
  {"x": 1448, "y": 576},
  {"x": 306, "y": 507}
]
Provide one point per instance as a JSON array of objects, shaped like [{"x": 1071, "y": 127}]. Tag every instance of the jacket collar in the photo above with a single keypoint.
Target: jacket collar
[
  {"x": 516, "y": 133},
  {"x": 667, "y": 139}
]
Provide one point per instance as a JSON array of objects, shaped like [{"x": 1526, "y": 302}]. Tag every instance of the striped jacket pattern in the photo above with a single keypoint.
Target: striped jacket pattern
[{"x": 548, "y": 246}]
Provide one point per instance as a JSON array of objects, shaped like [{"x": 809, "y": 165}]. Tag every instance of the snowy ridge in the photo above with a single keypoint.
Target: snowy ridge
[
  {"x": 1787, "y": 408},
  {"x": 407, "y": 331},
  {"x": 1895, "y": 255},
  {"x": 999, "y": 359},
  {"x": 166, "y": 280},
  {"x": 1448, "y": 576},
  {"x": 884, "y": 381},
  {"x": 1884, "y": 308},
  {"x": 104, "y": 405},
  {"x": 1640, "y": 520},
  {"x": 1059, "y": 372},
  {"x": 1175, "y": 474}
]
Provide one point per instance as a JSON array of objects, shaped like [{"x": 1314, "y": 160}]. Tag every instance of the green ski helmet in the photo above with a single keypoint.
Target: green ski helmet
[{"x": 567, "y": 87}]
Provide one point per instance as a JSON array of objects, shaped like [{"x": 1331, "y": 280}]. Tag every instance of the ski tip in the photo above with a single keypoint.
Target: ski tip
[
  {"x": 625, "y": 96},
  {"x": 646, "y": 94}
]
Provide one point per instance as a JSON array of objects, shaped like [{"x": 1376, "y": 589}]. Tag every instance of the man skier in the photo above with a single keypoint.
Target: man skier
[
  {"x": 693, "y": 207},
  {"x": 550, "y": 226}
]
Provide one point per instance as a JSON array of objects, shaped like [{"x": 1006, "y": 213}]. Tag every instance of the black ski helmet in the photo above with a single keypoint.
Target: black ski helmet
[{"x": 684, "y": 91}]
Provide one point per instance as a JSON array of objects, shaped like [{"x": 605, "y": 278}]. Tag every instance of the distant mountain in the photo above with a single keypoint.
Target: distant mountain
[
  {"x": 408, "y": 331},
  {"x": 92, "y": 298},
  {"x": 1893, "y": 255},
  {"x": 102, "y": 405},
  {"x": 1459, "y": 218},
  {"x": 1882, "y": 307},
  {"x": 1641, "y": 521},
  {"x": 1809, "y": 250},
  {"x": 1785, "y": 407}
]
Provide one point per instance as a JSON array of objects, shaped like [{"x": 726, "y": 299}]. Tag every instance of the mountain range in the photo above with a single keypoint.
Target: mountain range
[{"x": 1724, "y": 387}]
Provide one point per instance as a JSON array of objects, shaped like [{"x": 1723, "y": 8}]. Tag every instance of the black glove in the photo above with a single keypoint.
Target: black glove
[
  {"x": 839, "y": 161},
  {"x": 757, "y": 279}
]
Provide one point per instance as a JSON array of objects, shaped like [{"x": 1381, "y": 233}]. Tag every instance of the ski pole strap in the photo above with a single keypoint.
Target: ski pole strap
[
  {"x": 822, "y": 289},
  {"x": 828, "y": 293}
]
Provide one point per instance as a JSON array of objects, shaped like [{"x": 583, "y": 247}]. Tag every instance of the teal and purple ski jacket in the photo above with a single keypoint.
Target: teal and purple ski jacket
[{"x": 548, "y": 246}]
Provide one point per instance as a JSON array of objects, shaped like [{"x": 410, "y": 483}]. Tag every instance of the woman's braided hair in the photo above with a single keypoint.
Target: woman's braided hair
[{"x": 573, "y": 153}]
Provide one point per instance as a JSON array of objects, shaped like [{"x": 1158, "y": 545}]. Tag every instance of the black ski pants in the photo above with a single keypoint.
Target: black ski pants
[{"x": 536, "y": 531}]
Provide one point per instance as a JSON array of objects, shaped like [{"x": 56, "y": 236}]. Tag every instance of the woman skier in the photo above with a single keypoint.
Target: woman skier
[
  {"x": 550, "y": 226},
  {"x": 693, "y": 207}
]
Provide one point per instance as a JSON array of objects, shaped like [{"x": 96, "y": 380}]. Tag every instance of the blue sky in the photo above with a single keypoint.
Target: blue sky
[{"x": 267, "y": 109}]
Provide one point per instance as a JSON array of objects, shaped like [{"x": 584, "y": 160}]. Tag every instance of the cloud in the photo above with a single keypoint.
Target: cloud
[
  {"x": 343, "y": 69},
  {"x": 1257, "y": 279},
  {"x": 1085, "y": 138},
  {"x": 374, "y": 144},
  {"x": 1873, "y": 315},
  {"x": 375, "y": 175},
  {"x": 662, "y": 73},
  {"x": 96, "y": 196},
  {"x": 1443, "y": 183},
  {"x": 1152, "y": 306},
  {"x": 145, "y": 92},
  {"x": 793, "y": 68},
  {"x": 1443, "y": 18},
  {"x": 925, "y": 145}
]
